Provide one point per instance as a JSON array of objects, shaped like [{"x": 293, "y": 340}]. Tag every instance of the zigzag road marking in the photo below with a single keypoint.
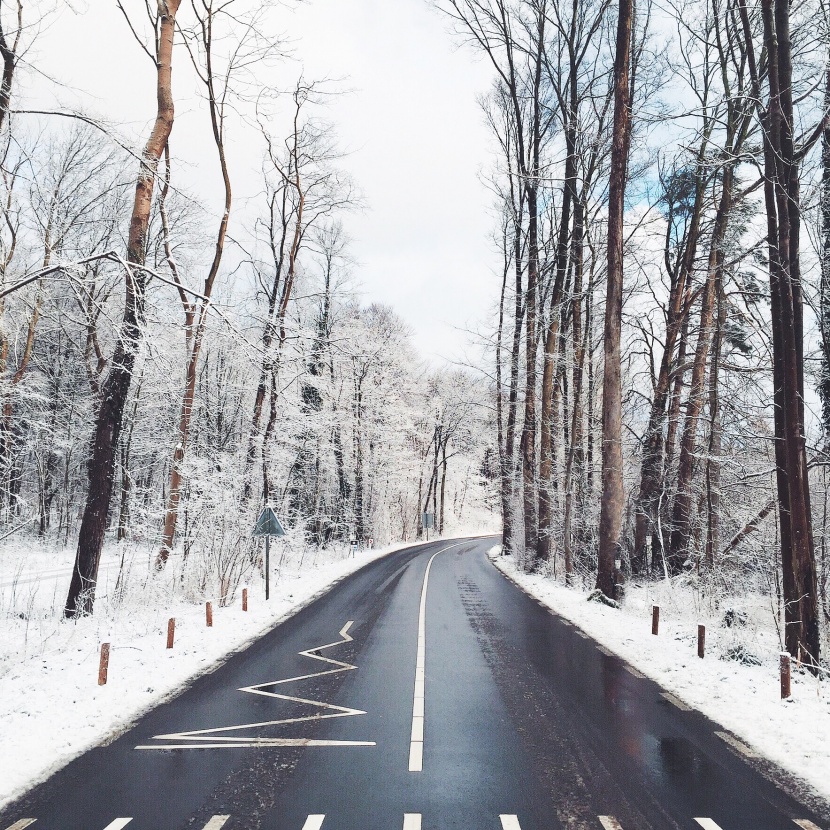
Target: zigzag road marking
[{"x": 218, "y": 738}]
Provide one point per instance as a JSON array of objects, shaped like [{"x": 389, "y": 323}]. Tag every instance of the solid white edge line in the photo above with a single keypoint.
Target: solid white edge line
[
  {"x": 216, "y": 823},
  {"x": 411, "y": 821},
  {"x": 509, "y": 822},
  {"x": 118, "y": 824},
  {"x": 416, "y": 747},
  {"x": 314, "y": 822},
  {"x": 609, "y": 823}
]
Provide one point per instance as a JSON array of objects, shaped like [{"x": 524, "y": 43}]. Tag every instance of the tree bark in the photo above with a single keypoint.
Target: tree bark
[{"x": 611, "y": 508}]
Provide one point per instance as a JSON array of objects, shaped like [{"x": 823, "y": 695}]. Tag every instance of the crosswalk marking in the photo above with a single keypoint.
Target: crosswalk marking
[
  {"x": 806, "y": 824},
  {"x": 24, "y": 822},
  {"x": 510, "y": 823},
  {"x": 411, "y": 821},
  {"x": 707, "y": 824},
  {"x": 609, "y": 823},
  {"x": 314, "y": 822},
  {"x": 118, "y": 824},
  {"x": 216, "y": 823}
]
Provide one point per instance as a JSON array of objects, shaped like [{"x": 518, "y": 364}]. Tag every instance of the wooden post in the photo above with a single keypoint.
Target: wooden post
[
  {"x": 104, "y": 664},
  {"x": 655, "y": 619},
  {"x": 701, "y": 641},
  {"x": 785, "y": 675},
  {"x": 171, "y": 631},
  {"x": 244, "y": 599},
  {"x": 209, "y": 615}
]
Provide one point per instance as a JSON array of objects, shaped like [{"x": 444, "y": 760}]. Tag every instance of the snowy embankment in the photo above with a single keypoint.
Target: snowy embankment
[
  {"x": 745, "y": 699},
  {"x": 51, "y": 706}
]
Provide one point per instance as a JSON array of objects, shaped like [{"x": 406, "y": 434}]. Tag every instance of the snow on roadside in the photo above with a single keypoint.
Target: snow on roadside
[
  {"x": 51, "y": 708},
  {"x": 743, "y": 698}
]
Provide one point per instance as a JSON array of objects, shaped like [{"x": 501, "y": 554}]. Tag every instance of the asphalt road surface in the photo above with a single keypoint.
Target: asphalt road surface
[{"x": 425, "y": 692}]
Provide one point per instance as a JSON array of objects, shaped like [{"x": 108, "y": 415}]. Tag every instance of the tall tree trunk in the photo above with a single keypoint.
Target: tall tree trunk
[
  {"x": 611, "y": 508},
  {"x": 684, "y": 497},
  {"x": 713, "y": 462},
  {"x": 115, "y": 389}
]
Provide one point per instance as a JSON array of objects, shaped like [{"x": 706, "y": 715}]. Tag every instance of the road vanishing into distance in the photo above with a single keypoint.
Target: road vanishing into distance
[{"x": 424, "y": 692}]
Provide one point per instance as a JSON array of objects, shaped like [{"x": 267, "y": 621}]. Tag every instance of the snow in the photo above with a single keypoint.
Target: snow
[
  {"x": 744, "y": 699},
  {"x": 51, "y": 707}
]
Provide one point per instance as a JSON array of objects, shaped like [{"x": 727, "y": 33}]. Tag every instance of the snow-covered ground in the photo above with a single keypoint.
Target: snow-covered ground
[
  {"x": 51, "y": 707},
  {"x": 745, "y": 699}
]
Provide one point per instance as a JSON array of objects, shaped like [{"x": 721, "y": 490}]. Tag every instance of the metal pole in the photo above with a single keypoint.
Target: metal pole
[{"x": 267, "y": 566}]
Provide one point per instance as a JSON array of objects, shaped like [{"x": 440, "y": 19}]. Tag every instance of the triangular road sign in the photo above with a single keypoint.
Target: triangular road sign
[{"x": 268, "y": 524}]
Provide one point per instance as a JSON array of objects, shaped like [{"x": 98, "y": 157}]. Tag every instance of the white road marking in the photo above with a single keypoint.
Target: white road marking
[
  {"x": 736, "y": 744},
  {"x": 416, "y": 746},
  {"x": 582, "y": 634},
  {"x": 216, "y": 823},
  {"x": 411, "y": 821},
  {"x": 605, "y": 651},
  {"x": 118, "y": 824},
  {"x": 675, "y": 701},
  {"x": 510, "y": 823},
  {"x": 632, "y": 671},
  {"x": 314, "y": 822},
  {"x": 21, "y": 823},
  {"x": 215, "y": 739},
  {"x": 609, "y": 823},
  {"x": 707, "y": 824},
  {"x": 806, "y": 824}
]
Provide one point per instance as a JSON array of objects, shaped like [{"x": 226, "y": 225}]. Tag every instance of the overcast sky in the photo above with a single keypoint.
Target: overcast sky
[{"x": 411, "y": 122}]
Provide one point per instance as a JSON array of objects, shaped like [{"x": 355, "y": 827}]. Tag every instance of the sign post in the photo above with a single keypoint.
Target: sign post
[
  {"x": 268, "y": 525},
  {"x": 427, "y": 521}
]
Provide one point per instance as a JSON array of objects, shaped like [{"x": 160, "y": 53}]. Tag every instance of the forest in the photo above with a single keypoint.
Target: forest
[{"x": 650, "y": 399}]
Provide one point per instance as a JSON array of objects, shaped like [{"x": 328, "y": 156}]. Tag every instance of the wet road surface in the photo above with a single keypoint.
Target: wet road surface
[{"x": 397, "y": 701}]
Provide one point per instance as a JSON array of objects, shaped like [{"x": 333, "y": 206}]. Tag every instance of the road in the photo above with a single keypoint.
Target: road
[{"x": 401, "y": 701}]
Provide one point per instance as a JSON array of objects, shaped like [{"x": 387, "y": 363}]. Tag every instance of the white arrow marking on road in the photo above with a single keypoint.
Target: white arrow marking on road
[
  {"x": 411, "y": 821},
  {"x": 214, "y": 739},
  {"x": 314, "y": 822},
  {"x": 24, "y": 822},
  {"x": 118, "y": 824},
  {"x": 707, "y": 824},
  {"x": 510, "y": 823},
  {"x": 609, "y": 823}
]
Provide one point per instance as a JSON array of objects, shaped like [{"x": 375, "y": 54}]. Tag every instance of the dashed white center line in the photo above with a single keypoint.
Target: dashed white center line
[
  {"x": 609, "y": 823},
  {"x": 510, "y": 823},
  {"x": 707, "y": 824},
  {"x": 24, "y": 822},
  {"x": 216, "y": 823},
  {"x": 411, "y": 821},
  {"x": 416, "y": 742},
  {"x": 314, "y": 822},
  {"x": 118, "y": 824}
]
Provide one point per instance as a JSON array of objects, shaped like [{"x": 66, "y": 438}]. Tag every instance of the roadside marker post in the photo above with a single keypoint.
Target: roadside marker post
[
  {"x": 701, "y": 641},
  {"x": 655, "y": 619},
  {"x": 785, "y": 675},
  {"x": 171, "y": 631},
  {"x": 208, "y": 615},
  {"x": 104, "y": 663},
  {"x": 268, "y": 525},
  {"x": 244, "y": 599}
]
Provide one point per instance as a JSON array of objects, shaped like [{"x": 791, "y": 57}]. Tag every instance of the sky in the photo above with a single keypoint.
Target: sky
[{"x": 410, "y": 121}]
